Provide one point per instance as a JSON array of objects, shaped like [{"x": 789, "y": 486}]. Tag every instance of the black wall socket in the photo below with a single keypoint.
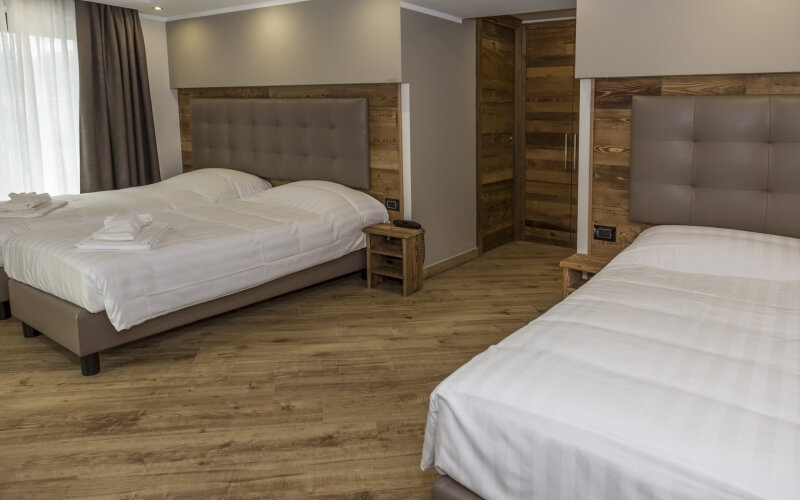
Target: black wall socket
[
  {"x": 392, "y": 204},
  {"x": 605, "y": 233}
]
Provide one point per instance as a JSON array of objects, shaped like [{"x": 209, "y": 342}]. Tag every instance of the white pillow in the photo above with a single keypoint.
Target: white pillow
[
  {"x": 218, "y": 184},
  {"x": 715, "y": 251},
  {"x": 328, "y": 200}
]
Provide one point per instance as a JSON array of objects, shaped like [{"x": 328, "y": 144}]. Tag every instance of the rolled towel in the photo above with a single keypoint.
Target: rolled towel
[
  {"x": 122, "y": 227},
  {"x": 24, "y": 201}
]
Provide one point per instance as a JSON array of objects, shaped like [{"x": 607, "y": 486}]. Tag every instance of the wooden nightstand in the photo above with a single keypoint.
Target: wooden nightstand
[
  {"x": 576, "y": 265},
  {"x": 394, "y": 252}
]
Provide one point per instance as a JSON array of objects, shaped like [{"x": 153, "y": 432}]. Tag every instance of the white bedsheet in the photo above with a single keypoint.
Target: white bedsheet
[
  {"x": 673, "y": 374},
  {"x": 205, "y": 186},
  {"x": 208, "y": 252}
]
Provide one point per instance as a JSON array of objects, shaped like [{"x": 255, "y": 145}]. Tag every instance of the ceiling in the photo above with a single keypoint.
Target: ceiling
[
  {"x": 453, "y": 9},
  {"x": 179, "y": 9},
  {"x": 483, "y": 8}
]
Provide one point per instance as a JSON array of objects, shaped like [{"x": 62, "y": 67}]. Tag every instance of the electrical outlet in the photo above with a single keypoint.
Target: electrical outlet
[
  {"x": 392, "y": 204},
  {"x": 605, "y": 233}
]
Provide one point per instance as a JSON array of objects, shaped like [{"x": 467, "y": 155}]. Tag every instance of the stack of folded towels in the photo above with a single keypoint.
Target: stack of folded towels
[
  {"x": 29, "y": 205},
  {"x": 125, "y": 232}
]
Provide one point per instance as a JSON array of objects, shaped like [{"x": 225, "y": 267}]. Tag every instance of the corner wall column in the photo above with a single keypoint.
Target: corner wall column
[{"x": 585, "y": 162}]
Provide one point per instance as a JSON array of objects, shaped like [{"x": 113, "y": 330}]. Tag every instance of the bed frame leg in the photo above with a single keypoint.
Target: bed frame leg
[
  {"x": 5, "y": 310},
  {"x": 29, "y": 332},
  {"x": 90, "y": 364}
]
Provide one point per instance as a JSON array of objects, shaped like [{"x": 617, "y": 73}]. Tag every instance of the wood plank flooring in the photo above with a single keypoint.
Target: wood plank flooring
[{"x": 319, "y": 394}]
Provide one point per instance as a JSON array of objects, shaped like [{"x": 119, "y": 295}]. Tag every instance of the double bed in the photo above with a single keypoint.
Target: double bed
[
  {"x": 182, "y": 192},
  {"x": 675, "y": 372},
  {"x": 219, "y": 257}
]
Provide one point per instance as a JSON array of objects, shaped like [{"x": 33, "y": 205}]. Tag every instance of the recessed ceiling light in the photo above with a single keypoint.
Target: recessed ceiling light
[{"x": 157, "y": 7}]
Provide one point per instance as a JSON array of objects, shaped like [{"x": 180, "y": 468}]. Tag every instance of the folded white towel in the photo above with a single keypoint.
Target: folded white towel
[
  {"x": 34, "y": 212},
  {"x": 24, "y": 201},
  {"x": 145, "y": 240},
  {"x": 122, "y": 227}
]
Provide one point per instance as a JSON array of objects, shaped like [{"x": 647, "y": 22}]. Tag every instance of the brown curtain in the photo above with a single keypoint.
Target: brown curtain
[{"x": 118, "y": 140}]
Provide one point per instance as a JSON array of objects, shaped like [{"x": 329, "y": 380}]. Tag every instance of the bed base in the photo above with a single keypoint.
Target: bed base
[
  {"x": 5, "y": 305},
  {"x": 446, "y": 488},
  {"x": 90, "y": 365},
  {"x": 87, "y": 334}
]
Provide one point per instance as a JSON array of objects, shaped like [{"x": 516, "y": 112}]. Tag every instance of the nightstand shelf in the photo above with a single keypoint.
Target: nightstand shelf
[
  {"x": 390, "y": 248},
  {"x": 578, "y": 269},
  {"x": 396, "y": 253},
  {"x": 387, "y": 272}
]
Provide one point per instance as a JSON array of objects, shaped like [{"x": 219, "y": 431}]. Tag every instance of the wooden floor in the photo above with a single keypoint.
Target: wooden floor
[{"x": 319, "y": 394}]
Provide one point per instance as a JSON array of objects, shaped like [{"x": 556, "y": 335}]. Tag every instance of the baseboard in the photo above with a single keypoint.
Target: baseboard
[{"x": 450, "y": 263}]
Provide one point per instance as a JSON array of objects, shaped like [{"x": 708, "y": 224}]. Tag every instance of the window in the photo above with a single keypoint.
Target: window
[{"x": 39, "y": 148}]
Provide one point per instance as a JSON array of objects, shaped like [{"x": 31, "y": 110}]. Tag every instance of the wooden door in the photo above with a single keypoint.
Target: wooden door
[
  {"x": 551, "y": 125},
  {"x": 496, "y": 119}
]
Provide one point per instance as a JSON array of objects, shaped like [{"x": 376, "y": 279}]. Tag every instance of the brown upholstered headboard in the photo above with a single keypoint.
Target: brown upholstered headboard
[
  {"x": 290, "y": 139},
  {"x": 720, "y": 161}
]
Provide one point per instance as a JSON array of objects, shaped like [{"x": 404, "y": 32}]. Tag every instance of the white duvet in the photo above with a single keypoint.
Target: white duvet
[
  {"x": 673, "y": 374},
  {"x": 201, "y": 187},
  {"x": 207, "y": 252}
]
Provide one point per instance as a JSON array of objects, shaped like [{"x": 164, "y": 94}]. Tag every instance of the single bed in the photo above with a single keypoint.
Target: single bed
[
  {"x": 673, "y": 373},
  {"x": 215, "y": 258},
  {"x": 184, "y": 191}
]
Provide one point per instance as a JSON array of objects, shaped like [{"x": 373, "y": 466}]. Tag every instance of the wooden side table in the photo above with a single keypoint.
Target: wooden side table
[
  {"x": 579, "y": 268},
  {"x": 394, "y": 252}
]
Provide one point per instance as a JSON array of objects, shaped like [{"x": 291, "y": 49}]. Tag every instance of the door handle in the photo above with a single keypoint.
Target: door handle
[
  {"x": 565, "y": 150},
  {"x": 574, "y": 151}
]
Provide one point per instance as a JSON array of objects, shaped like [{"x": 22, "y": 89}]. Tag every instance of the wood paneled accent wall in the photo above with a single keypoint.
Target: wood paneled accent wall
[
  {"x": 612, "y": 137},
  {"x": 384, "y": 127},
  {"x": 497, "y": 127}
]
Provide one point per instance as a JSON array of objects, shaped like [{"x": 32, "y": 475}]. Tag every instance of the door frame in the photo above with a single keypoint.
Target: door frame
[{"x": 520, "y": 160}]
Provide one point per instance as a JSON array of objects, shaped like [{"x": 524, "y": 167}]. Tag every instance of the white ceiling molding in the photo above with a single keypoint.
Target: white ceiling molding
[
  {"x": 467, "y": 9},
  {"x": 226, "y": 10},
  {"x": 532, "y": 21},
  {"x": 451, "y": 10},
  {"x": 431, "y": 12}
]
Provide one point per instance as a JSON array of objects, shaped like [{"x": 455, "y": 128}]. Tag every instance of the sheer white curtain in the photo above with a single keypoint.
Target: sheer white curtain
[{"x": 39, "y": 98}]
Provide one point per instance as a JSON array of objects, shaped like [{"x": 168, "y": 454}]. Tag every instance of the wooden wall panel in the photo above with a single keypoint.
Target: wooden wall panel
[
  {"x": 384, "y": 127},
  {"x": 497, "y": 126},
  {"x": 612, "y": 137}
]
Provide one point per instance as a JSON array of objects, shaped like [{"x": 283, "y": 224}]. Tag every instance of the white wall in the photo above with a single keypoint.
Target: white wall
[
  {"x": 437, "y": 60},
  {"x": 619, "y": 38},
  {"x": 319, "y": 42},
  {"x": 164, "y": 99},
  {"x": 439, "y": 67}
]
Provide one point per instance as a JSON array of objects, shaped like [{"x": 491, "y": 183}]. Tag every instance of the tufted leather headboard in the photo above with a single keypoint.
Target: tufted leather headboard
[
  {"x": 720, "y": 161},
  {"x": 288, "y": 139}
]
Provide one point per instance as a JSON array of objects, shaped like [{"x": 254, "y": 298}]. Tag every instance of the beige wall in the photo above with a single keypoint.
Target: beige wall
[
  {"x": 319, "y": 42},
  {"x": 686, "y": 37},
  {"x": 439, "y": 66},
  {"x": 164, "y": 99}
]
